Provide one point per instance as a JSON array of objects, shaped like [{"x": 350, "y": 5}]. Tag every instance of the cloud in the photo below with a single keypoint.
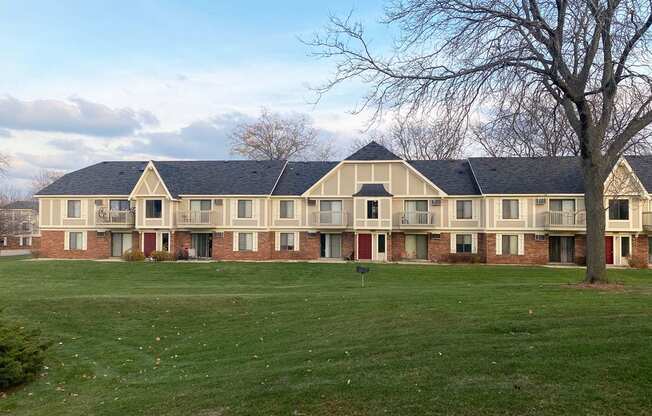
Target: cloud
[{"x": 76, "y": 115}]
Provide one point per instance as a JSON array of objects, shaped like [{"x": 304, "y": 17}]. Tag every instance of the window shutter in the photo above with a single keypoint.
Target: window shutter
[
  {"x": 297, "y": 236},
  {"x": 277, "y": 241},
  {"x": 84, "y": 240},
  {"x": 453, "y": 242},
  {"x": 255, "y": 241},
  {"x": 235, "y": 242},
  {"x": 521, "y": 245},
  {"x": 499, "y": 244},
  {"x": 474, "y": 243},
  {"x": 66, "y": 240}
]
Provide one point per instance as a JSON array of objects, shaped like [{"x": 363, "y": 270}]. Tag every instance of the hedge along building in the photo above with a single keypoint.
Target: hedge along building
[{"x": 371, "y": 206}]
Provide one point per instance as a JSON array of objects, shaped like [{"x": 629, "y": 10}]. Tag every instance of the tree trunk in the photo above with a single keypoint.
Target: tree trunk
[{"x": 596, "y": 269}]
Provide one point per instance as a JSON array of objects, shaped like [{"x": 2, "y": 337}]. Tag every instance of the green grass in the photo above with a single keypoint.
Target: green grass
[{"x": 306, "y": 339}]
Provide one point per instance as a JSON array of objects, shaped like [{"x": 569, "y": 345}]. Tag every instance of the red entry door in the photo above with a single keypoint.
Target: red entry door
[
  {"x": 364, "y": 246},
  {"x": 149, "y": 243},
  {"x": 609, "y": 249}
]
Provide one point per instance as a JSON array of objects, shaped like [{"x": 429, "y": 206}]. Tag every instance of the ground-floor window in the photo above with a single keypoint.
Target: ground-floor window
[
  {"x": 25, "y": 241},
  {"x": 75, "y": 240},
  {"x": 624, "y": 246},
  {"x": 245, "y": 241},
  {"x": 561, "y": 249},
  {"x": 120, "y": 243},
  {"x": 416, "y": 246},
  {"x": 510, "y": 244},
  {"x": 287, "y": 241},
  {"x": 463, "y": 243},
  {"x": 330, "y": 245},
  {"x": 202, "y": 243},
  {"x": 165, "y": 241}
]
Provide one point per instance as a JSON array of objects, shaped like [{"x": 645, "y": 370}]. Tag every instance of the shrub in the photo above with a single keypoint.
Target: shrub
[
  {"x": 36, "y": 254},
  {"x": 182, "y": 254},
  {"x": 637, "y": 262},
  {"x": 161, "y": 256},
  {"x": 22, "y": 354},
  {"x": 133, "y": 255}
]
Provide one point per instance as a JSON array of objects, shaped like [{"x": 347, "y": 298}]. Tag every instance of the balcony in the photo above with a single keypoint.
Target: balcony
[
  {"x": 565, "y": 219},
  {"x": 647, "y": 221},
  {"x": 195, "y": 218},
  {"x": 329, "y": 219},
  {"x": 415, "y": 219},
  {"x": 108, "y": 217}
]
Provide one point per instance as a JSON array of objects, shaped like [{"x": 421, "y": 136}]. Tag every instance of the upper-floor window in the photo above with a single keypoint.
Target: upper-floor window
[
  {"x": 153, "y": 208},
  {"x": 200, "y": 205},
  {"x": 372, "y": 209},
  {"x": 464, "y": 210},
  {"x": 245, "y": 208},
  {"x": 510, "y": 209},
  {"x": 119, "y": 205},
  {"x": 74, "y": 209},
  {"x": 619, "y": 209},
  {"x": 330, "y": 206},
  {"x": 562, "y": 205},
  {"x": 286, "y": 209},
  {"x": 416, "y": 206}
]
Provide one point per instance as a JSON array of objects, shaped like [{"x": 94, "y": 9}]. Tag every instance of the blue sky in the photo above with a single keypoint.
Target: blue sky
[{"x": 84, "y": 81}]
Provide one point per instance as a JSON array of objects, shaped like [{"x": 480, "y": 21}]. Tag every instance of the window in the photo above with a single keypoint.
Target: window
[
  {"x": 286, "y": 209},
  {"x": 510, "y": 209},
  {"x": 200, "y": 205},
  {"x": 416, "y": 206},
  {"x": 25, "y": 226},
  {"x": 75, "y": 241},
  {"x": 287, "y": 241},
  {"x": 330, "y": 212},
  {"x": 153, "y": 208},
  {"x": 562, "y": 205},
  {"x": 245, "y": 208},
  {"x": 463, "y": 243},
  {"x": 381, "y": 243},
  {"x": 165, "y": 242},
  {"x": 4, "y": 241},
  {"x": 510, "y": 245},
  {"x": 74, "y": 209},
  {"x": 245, "y": 241},
  {"x": 464, "y": 210},
  {"x": 372, "y": 210},
  {"x": 619, "y": 209},
  {"x": 119, "y": 205},
  {"x": 624, "y": 246}
]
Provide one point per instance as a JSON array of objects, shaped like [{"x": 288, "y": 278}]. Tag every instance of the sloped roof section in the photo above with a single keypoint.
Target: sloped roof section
[
  {"x": 372, "y": 189},
  {"x": 451, "y": 176},
  {"x": 298, "y": 177},
  {"x": 29, "y": 204},
  {"x": 373, "y": 151},
  {"x": 104, "y": 178},
  {"x": 642, "y": 166},
  {"x": 232, "y": 177},
  {"x": 525, "y": 175}
]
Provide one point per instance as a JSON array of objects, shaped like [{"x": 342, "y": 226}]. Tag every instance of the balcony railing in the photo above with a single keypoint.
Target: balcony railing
[
  {"x": 561, "y": 219},
  {"x": 195, "y": 217},
  {"x": 647, "y": 220},
  {"x": 106, "y": 216},
  {"x": 330, "y": 218},
  {"x": 415, "y": 218}
]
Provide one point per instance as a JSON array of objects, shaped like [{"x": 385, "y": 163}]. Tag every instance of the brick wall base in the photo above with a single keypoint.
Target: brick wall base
[
  {"x": 308, "y": 248},
  {"x": 52, "y": 246},
  {"x": 535, "y": 252}
]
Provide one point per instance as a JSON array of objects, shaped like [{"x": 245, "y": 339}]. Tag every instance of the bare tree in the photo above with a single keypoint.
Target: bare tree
[
  {"x": 4, "y": 164},
  {"x": 276, "y": 137},
  {"x": 588, "y": 56},
  {"x": 43, "y": 178}
]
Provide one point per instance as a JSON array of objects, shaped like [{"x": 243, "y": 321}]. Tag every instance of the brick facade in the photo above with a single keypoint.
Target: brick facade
[
  {"x": 97, "y": 247},
  {"x": 640, "y": 248},
  {"x": 13, "y": 243},
  {"x": 181, "y": 240},
  {"x": 308, "y": 248},
  {"x": 535, "y": 252},
  {"x": 580, "y": 249}
]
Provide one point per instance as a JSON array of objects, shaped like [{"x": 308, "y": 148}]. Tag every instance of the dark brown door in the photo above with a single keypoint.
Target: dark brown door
[
  {"x": 364, "y": 246},
  {"x": 149, "y": 243},
  {"x": 609, "y": 249}
]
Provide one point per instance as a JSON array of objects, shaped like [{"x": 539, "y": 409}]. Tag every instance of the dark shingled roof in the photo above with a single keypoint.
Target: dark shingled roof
[
  {"x": 452, "y": 176},
  {"x": 373, "y": 151},
  {"x": 104, "y": 178},
  {"x": 524, "y": 175},
  {"x": 297, "y": 177},
  {"x": 642, "y": 166},
  {"x": 232, "y": 177},
  {"x": 372, "y": 189},
  {"x": 30, "y": 204}
]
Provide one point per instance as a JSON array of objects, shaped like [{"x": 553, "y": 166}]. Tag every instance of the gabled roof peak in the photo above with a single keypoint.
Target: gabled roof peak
[{"x": 373, "y": 151}]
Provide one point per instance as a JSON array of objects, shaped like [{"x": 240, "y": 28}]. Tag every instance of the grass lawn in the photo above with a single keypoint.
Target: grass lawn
[{"x": 306, "y": 339}]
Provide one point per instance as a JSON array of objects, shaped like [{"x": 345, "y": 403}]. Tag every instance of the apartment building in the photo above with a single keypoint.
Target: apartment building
[
  {"x": 372, "y": 206},
  {"x": 19, "y": 228}
]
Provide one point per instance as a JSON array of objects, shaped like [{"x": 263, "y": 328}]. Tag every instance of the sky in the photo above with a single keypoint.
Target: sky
[{"x": 86, "y": 81}]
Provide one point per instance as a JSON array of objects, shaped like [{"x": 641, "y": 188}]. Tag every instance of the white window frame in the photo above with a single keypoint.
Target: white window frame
[
  {"x": 66, "y": 242},
  {"x": 254, "y": 240},
  {"x": 296, "y": 237},
  {"x": 81, "y": 209},
  {"x": 629, "y": 209},
  {"x": 210, "y": 201},
  {"x": 521, "y": 244},
  {"x": 294, "y": 209},
  {"x": 457, "y": 201},
  {"x": 366, "y": 209},
  {"x": 520, "y": 208},
  {"x": 4, "y": 241},
  {"x": 237, "y": 209},
  {"x": 162, "y": 209}
]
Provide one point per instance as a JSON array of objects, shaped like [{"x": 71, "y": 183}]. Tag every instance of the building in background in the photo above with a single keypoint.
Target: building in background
[{"x": 19, "y": 227}]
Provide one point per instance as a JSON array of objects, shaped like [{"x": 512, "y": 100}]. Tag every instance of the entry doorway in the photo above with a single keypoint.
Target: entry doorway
[
  {"x": 609, "y": 249},
  {"x": 416, "y": 246},
  {"x": 561, "y": 249},
  {"x": 364, "y": 246},
  {"x": 381, "y": 247},
  {"x": 149, "y": 243},
  {"x": 203, "y": 244},
  {"x": 120, "y": 243},
  {"x": 330, "y": 246}
]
